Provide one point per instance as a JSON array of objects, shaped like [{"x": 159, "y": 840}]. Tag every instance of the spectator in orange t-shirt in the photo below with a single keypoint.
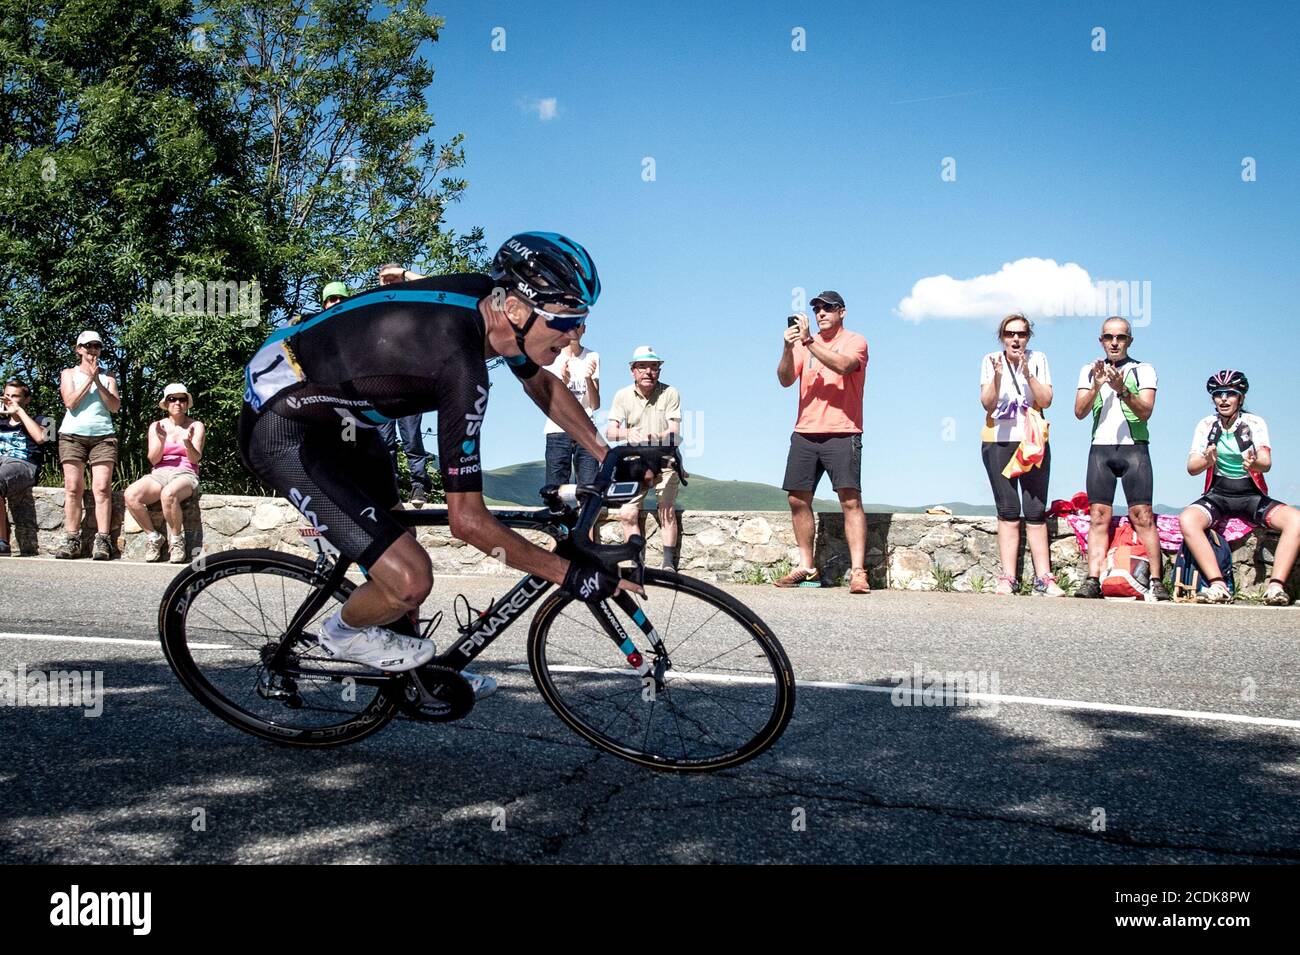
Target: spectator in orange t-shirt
[{"x": 831, "y": 368}]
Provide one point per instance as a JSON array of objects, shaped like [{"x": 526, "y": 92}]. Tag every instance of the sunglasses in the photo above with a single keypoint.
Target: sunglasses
[
  {"x": 561, "y": 323},
  {"x": 1116, "y": 338},
  {"x": 823, "y": 307},
  {"x": 1011, "y": 334},
  {"x": 1219, "y": 395},
  {"x": 184, "y": 398}
]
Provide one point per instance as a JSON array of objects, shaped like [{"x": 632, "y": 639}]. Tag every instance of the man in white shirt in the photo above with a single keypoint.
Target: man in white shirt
[
  {"x": 1120, "y": 393},
  {"x": 579, "y": 369}
]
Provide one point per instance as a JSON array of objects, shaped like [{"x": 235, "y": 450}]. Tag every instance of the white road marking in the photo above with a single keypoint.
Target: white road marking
[
  {"x": 67, "y": 638},
  {"x": 987, "y": 697}
]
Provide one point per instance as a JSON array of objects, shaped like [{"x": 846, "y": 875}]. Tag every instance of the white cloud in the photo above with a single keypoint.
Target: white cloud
[
  {"x": 1037, "y": 287},
  {"x": 546, "y": 109}
]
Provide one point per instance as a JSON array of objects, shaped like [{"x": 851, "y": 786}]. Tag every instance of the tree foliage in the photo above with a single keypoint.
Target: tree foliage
[{"x": 149, "y": 151}]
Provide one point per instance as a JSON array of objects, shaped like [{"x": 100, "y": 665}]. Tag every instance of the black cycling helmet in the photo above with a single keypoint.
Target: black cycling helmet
[
  {"x": 1228, "y": 380},
  {"x": 547, "y": 268}
]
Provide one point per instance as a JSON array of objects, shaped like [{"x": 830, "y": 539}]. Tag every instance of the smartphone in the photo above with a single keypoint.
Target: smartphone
[{"x": 792, "y": 321}]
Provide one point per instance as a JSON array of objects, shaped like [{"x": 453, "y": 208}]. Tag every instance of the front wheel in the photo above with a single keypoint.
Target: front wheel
[{"x": 719, "y": 689}]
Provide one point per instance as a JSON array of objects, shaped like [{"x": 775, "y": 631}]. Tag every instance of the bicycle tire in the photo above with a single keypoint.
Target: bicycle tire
[
  {"x": 174, "y": 631},
  {"x": 559, "y": 682}
]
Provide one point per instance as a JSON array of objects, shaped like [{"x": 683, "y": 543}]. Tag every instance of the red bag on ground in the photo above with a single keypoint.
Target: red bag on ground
[{"x": 1128, "y": 566}]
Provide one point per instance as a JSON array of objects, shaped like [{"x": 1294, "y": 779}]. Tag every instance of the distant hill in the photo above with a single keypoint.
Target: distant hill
[{"x": 518, "y": 484}]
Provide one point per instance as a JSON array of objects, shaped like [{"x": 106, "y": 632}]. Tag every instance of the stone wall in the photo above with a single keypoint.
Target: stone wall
[{"x": 903, "y": 550}]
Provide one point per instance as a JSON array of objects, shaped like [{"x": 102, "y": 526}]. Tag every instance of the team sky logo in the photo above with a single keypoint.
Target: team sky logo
[
  {"x": 474, "y": 420},
  {"x": 296, "y": 498}
]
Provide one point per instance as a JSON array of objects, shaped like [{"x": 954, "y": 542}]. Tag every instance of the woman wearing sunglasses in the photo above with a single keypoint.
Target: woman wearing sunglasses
[
  {"x": 1015, "y": 383},
  {"x": 175, "y": 448},
  {"x": 1232, "y": 447}
]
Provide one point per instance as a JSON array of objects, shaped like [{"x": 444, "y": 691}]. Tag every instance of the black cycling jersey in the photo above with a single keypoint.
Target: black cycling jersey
[
  {"x": 386, "y": 354},
  {"x": 316, "y": 391}
]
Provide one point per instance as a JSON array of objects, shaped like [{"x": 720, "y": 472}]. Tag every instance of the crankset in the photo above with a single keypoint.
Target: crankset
[{"x": 434, "y": 694}]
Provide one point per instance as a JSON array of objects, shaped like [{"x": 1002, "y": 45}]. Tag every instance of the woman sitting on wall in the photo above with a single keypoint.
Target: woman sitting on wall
[{"x": 1232, "y": 446}]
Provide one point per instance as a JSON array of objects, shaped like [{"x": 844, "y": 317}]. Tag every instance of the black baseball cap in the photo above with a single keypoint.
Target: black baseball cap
[{"x": 830, "y": 298}]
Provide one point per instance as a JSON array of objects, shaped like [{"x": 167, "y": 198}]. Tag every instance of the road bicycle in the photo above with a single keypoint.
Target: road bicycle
[{"x": 684, "y": 679}]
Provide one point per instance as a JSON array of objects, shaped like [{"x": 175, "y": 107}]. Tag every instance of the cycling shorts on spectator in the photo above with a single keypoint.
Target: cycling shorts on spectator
[
  {"x": 1236, "y": 497},
  {"x": 812, "y": 455},
  {"x": 1111, "y": 463},
  {"x": 333, "y": 468}
]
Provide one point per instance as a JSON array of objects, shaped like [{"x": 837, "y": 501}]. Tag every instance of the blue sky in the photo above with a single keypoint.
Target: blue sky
[{"x": 777, "y": 170}]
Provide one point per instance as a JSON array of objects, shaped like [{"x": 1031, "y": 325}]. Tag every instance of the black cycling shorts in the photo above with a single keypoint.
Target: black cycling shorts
[
  {"x": 1236, "y": 497},
  {"x": 344, "y": 488},
  {"x": 1032, "y": 484},
  {"x": 1129, "y": 463},
  {"x": 812, "y": 455}
]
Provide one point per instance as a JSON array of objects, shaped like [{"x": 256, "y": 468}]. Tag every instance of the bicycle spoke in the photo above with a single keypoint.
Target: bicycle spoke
[
  {"x": 236, "y": 609},
  {"x": 721, "y": 700}
]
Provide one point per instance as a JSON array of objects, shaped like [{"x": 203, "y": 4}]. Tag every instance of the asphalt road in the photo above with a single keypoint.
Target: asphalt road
[{"x": 1083, "y": 765}]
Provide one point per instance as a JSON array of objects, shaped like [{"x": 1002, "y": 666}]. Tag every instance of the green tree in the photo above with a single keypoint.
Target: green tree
[
  {"x": 148, "y": 153},
  {"x": 119, "y": 165},
  {"x": 330, "y": 98}
]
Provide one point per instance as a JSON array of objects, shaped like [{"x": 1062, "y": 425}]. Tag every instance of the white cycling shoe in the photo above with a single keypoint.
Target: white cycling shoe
[
  {"x": 481, "y": 685},
  {"x": 379, "y": 647}
]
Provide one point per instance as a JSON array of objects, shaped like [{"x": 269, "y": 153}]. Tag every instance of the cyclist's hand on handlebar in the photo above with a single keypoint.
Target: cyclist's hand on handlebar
[{"x": 592, "y": 583}]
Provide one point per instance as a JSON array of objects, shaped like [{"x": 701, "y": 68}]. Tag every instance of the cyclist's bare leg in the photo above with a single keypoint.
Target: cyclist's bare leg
[{"x": 399, "y": 582}]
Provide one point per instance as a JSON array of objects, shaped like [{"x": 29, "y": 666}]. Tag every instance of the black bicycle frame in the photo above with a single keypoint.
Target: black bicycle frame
[{"x": 480, "y": 632}]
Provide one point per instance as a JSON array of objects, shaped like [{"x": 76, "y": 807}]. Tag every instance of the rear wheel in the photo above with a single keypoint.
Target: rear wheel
[
  {"x": 725, "y": 689},
  {"x": 221, "y": 625}
]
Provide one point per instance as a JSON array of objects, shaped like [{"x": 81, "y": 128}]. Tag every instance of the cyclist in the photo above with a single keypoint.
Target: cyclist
[
  {"x": 1232, "y": 447},
  {"x": 1120, "y": 391},
  {"x": 317, "y": 392}
]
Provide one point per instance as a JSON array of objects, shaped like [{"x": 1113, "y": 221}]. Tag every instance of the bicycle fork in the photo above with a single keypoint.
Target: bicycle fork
[{"x": 614, "y": 629}]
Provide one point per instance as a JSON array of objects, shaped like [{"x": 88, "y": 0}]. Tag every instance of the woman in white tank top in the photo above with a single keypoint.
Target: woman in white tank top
[{"x": 86, "y": 438}]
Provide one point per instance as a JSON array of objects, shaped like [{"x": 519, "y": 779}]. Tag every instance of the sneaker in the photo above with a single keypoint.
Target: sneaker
[
  {"x": 4, "y": 547},
  {"x": 176, "y": 552},
  {"x": 1090, "y": 588},
  {"x": 419, "y": 496},
  {"x": 858, "y": 582},
  {"x": 1217, "y": 593},
  {"x": 798, "y": 576},
  {"x": 102, "y": 549},
  {"x": 483, "y": 686},
  {"x": 380, "y": 648},
  {"x": 70, "y": 548},
  {"x": 1046, "y": 586},
  {"x": 1006, "y": 586},
  {"x": 153, "y": 547},
  {"x": 1276, "y": 595},
  {"x": 1158, "y": 590}
]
